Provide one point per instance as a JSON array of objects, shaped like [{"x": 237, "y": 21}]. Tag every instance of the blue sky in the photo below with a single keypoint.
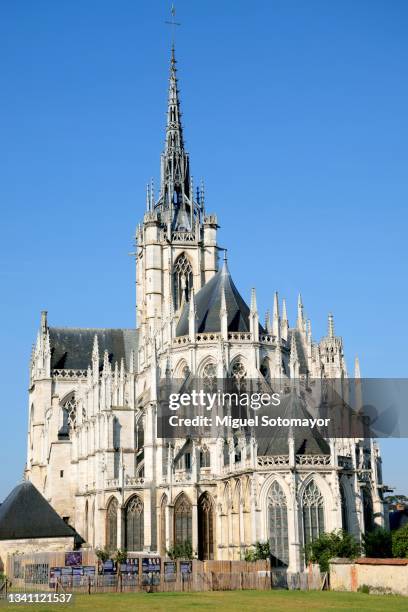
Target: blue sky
[{"x": 295, "y": 115}]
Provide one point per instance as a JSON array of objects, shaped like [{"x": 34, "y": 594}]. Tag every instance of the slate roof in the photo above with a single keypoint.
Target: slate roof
[
  {"x": 208, "y": 305},
  {"x": 26, "y": 514},
  {"x": 71, "y": 348},
  {"x": 307, "y": 441}
]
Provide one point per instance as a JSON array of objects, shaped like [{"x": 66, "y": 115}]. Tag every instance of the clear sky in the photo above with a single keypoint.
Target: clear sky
[{"x": 295, "y": 114}]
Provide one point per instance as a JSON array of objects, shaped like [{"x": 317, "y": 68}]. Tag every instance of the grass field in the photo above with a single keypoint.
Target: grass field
[{"x": 232, "y": 601}]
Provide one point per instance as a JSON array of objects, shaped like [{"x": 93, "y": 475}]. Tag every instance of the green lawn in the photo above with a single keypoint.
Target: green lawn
[{"x": 241, "y": 601}]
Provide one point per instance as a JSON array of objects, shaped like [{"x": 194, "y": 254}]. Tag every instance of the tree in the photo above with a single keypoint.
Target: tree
[
  {"x": 260, "y": 550},
  {"x": 338, "y": 543},
  {"x": 378, "y": 543},
  {"x": 181, "y": 551},
  {"x": 103, "y": 554},
  {"x": 400, "y": 542},
  {"x": 120, "y": 557}
]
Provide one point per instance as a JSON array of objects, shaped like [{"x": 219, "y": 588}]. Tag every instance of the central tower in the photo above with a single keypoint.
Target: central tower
[{"x": 176, "y": 244}]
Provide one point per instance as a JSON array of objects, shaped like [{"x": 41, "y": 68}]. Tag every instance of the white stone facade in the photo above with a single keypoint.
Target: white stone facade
[{"x": 93, "y": 448}]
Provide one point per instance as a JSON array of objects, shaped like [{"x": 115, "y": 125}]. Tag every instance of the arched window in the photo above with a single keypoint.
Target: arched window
[
  {"x": 344, "y": 510},
  {"x": 238, "y": 373},
  {"x": 163, "y": 506},
  {"x": 368, "y": 509},
  {"x": 182, "y": 280},
  {"x": 278, "y": 526},
  {"x": 205, "y": 528},
  {"x": 205, "y": 457},
  {"x": 93, "y": 517},
  {"x": 69, "y": 417},
  {"x": 265, "y": 369},
  {"x": 86, "y": 521},
  {"x": 313, "y": 512},
  {"x": 139, "y": 432},
  {"x": 209, "y": 377},
  {"x": 182, "y": 370},
  {"x": 116, "y": 446},
  {"x": 238, "y": 370},
  {"x": 134, "y": 525},
  {"x": 182, "y": 521},
  {"x": 112, "y": 524}
]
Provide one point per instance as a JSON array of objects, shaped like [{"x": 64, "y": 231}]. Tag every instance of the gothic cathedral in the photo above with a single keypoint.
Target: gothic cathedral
[{"x": 93, "y": 449}]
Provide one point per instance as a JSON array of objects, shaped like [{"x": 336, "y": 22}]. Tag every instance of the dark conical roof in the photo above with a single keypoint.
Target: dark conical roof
[
  {"x": 208, "y": 305},
  {"x": 26, "y": 514},
  {"x": 307, "y": 441}
]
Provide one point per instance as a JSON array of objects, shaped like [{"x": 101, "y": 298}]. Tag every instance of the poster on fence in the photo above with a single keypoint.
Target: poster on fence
[
  {"x": 107, "y": 567},
  {"x": 55, "y": 575},
  {"x": 170, "y": 571},
  {"x": 130, "y": 567},
  {"x": 186, "y": 567},
  {"x": 89, "y": 570},
  {"x": 77, "y": 573},
  {"x": 73, "y": 558},
  {"x": 151, "y": 565},
  {"x": 66, "y": 576}
]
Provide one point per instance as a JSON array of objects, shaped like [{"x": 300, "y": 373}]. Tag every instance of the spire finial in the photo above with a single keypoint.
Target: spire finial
[
  {"x": 173, "y": 23},
  {"x": 254, "y": 308},
  {"x": 331, "y": 325},
  {"x": 300, "y": 317},
  {"x": 357, "y": 372}
]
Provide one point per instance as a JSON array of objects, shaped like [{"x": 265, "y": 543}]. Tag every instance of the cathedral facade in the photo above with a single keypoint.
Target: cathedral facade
[{"x": 93, "y": 449}]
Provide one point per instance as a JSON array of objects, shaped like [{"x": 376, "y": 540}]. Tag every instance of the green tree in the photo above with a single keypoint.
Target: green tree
[
  {"x": 400, "y": 542},
  {"x": 120, "y": 557},
  {"x": 102, "y": 554},
  {"x": 378, "y": 543},
  {"x": 181, "y": 551},
  {"x": 338, "y": 543},
  {"x": 260, "y": 550}
]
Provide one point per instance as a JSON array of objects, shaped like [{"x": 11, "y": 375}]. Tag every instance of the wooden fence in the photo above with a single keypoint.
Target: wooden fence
[{"x": 204, "y": 576}]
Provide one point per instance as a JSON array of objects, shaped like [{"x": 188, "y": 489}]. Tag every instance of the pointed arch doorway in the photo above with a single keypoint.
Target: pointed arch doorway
[{"x": 205, "y": 527}]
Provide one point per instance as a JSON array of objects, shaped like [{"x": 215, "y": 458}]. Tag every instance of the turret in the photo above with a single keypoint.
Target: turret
[
  {"x": 224, "y": 317},
  {"x": 192, "y": 317},
  {"x": 276, "y": 318},
  {"x": 285, "y": 322},
  {"x": 300, "y": 321},
  {"x": 254, "y": 318}
]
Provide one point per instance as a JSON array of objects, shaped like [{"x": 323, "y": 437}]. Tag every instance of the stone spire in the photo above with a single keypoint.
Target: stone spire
[
  {"x": 268, "y": 322},
  {"x": 300, "y": 321},
  {"x": 330, "y": 331},
  {"x": 357, "y": 372},
  {"x": 253, "y": 317},
  {"x": 285, "y": 322},
  {"x": 294, "y": 358},
  {"x": 176, "y": 199},
  {"x": 192, "y": 317},
  {"x": 276, "y": 317},
  {"x": 224, "y": 316}
]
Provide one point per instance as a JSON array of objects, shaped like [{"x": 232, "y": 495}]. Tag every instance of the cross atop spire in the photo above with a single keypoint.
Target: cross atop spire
[{"x": 173, "y": 23}]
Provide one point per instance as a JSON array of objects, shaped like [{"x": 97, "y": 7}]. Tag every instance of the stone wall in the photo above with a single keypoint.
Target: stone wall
[
  {"x": 379, "y": 575},
  {"x": 8, "y": 547}
]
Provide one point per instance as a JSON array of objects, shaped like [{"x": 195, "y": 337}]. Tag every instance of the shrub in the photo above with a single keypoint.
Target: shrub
[
  {"x": 400, "y": 542},
  {"x": 103, "y": 554},
  {"x": 120, "y": 556},
  {"x": 260, "y": 550},
  {"x": 181, "y": 551},
  {"x": 377, "y": 543},
  {"x": 338, "y": 543}
]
